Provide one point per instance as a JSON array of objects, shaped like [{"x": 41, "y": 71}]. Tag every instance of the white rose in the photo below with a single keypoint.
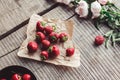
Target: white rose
[
  {"x": 103, "y": 2},
  {"x": 82, "y": 9},
  {"x": 110, "y": 1},
  {"x": 95, "y": 9}
]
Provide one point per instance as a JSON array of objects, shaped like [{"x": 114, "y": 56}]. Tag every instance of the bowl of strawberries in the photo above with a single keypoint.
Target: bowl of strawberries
[{"x": 16, "y": 73}]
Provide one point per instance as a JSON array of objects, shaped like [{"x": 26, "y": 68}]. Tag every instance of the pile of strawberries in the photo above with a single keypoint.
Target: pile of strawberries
[
  {"x": 46, "y": 38},
  {"x": 19, "y": 77}
]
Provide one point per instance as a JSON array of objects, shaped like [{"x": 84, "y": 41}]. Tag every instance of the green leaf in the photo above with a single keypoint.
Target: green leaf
[
  {"x": 54, "y": 27},
  {"x": 43, "y": 23},
  {"x": 65, "y": 38},
  {"x": 106, "y": 43},
  {"x": 108, "y": 38},
  {"x": 118, "y": 35},
  {"x": 50, "y": 49},
  {"x": 108, "y": 33},
  {"x": 43, "y": 58},
  {"x": 117, "y": 22},
  {"x": 111, "y": 25},
  {"x": 113, "y": 39},
  {"x": 53, "y": 38},
  {"x": 117, "y": 40},
  {"x": 96, "y": 24}
]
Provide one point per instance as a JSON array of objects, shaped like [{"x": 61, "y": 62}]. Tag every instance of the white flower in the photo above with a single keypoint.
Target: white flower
[
  {"x": 110, "y": 1},
  {"x": 103, "y": 2},
  {"x": 95, "y": 9},
  {"x": 82, "y": 9},
  {"x": 64, "y": 1}
]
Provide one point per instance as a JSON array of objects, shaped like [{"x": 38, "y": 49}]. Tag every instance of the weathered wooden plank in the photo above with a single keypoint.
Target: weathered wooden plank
[
  {"x": 14, "y": 40},
  {"x": 13, "y": 12}
]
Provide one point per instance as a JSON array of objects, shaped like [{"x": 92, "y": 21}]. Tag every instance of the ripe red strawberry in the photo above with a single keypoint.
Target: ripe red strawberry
[
  {"x": 48, "y": 29},
  {"x": 69, "y": 52},
  {"x": 45, "y": 44},
  {"x": 32, "y": 46},
  {"x": 53, "y": 51},
  {"x": 16, "y": 77},
  {"x": 3, "y": 79},
  {"x": 99, "y": 40},
  {"x": 63, "y": 37},
  {"x": 39, "y": 37},
  {"x": 53, "y": 37},
  {"x": 26, "y": 77},
  {"x": 44, "y": 55},
  {"x": 39, "y": 26}
]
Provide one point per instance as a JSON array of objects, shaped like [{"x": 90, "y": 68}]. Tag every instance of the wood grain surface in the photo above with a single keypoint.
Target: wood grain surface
[
  {"x": 97, "y": 63},
  {"x": 14, "y": 12}
]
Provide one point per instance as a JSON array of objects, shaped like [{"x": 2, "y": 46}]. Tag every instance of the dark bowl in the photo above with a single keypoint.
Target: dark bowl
[{"x": 10, "y": 70}]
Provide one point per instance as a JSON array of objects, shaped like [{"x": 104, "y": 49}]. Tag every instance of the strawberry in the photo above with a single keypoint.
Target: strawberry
[
  {"x": 48, "y": 29},
  {"x": 26, "y": 77},
  {"x": 53, "y": 37},
  {"x": 45, "y": 44},
  {"x": 44, "y": 55},
  {"x": 39, "y": 27},
  {"x": 69, "y": 52},
  {"x": 32, "y": 46},
  {"x": 40, "y": 36},
  {"x": 99, "y": 40},
  {"x": 3, "y": 79},
  {"x": 53, "y": 51},
  {"x": 16, "y": 77},
  {"x": 63, "y": 37}
]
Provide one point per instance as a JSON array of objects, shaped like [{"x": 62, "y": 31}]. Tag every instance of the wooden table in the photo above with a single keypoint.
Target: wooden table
[{"x": 97, "y": 63}]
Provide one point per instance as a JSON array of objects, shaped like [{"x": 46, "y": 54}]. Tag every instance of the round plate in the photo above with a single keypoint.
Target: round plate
[{"x": 10, "y": 70}]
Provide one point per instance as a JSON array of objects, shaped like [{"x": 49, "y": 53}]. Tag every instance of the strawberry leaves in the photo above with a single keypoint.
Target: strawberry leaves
[{"x": 113, "y": 36}]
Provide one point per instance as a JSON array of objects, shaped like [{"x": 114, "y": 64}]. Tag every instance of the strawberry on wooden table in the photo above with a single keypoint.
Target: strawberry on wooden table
[
  {"x": 26, "y": 77},
  {"x": 32, "y": 46},
  {"x": 39, "y": 26},
  {"x": 70, "y": 52},
  {"x": 48, "y": 29},
  {"x": 16, "y": 77},
  {"x": 44, "y": 55},
  {"x": 53, "y": 51},
  {"x": 39, "y": 37},
  {"x": 99, "y": 40},
  {"x": 45, "y": 44},
  {"x": 53, "y": 37},
  {"x": 63, "y": 37}
]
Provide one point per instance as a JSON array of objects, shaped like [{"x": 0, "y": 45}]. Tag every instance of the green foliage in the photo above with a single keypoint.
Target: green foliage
[{"x": 110, "y": 15}]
